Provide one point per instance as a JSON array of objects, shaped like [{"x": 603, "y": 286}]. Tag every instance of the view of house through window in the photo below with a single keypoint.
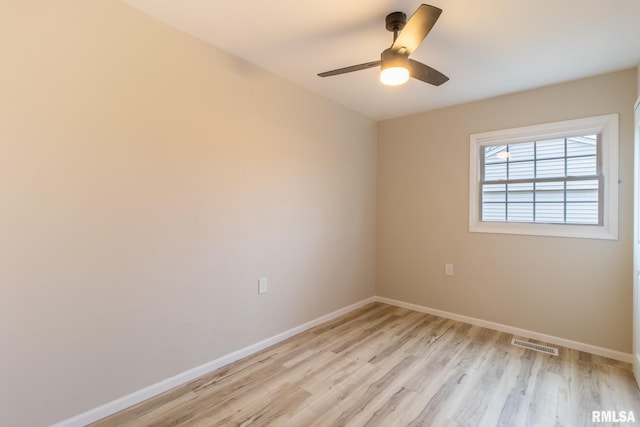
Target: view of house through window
[{"x": 549, "y": 181}]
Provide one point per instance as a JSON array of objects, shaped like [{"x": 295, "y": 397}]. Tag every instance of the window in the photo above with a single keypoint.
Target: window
[{"x": 557, "y": 179}]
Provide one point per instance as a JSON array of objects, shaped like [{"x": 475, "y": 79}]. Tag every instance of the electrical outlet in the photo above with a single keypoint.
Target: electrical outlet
[
  {"x": 262, "y": 285},
  {"x": 448, "y": 269}
]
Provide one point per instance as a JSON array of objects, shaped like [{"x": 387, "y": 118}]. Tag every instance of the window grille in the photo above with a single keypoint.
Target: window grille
[{"x": 550, "y": 181}]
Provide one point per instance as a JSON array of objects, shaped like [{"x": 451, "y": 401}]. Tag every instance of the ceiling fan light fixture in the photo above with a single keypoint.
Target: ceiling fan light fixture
[
  {"x": 394, "y": 68},
  {"x": 394, "y": 76}
]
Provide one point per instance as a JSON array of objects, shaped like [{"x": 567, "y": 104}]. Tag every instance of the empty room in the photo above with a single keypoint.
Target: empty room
[{"x": 337, "y": 213}]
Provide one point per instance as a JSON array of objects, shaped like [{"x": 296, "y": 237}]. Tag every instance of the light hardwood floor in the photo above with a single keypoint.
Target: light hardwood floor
[{"x": 387, "y": 366}]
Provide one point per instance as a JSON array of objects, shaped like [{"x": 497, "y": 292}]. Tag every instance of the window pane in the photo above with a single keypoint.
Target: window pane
[
  {"x": 582, "y": 146},
  {"x": 520, "y": 212},
  {"x": 520, "y": 192},
  {"x": 493, "y": 211},
  {"x": 550, "y": 212},
  {"x": 522, "y": 170},
  {"x": 550, "y": 192},
  {"x": 550, "y": 168},
  {"x": 550, "y": 149},
  {"x": 581, "y": 166},
  {"x": 495, "y": 172},
  {"x": 583, "y": 185},
  {"x": 522, "y": 151},
  {"x": 582, "y": 191},
  {"x": 495, "y": 153},
  {"x": 493, "y": 193},
  {"x": 582, "y": 213}
]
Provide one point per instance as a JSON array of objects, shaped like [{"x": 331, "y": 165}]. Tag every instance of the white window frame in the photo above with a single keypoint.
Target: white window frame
[{"x": 606, "y": 126}]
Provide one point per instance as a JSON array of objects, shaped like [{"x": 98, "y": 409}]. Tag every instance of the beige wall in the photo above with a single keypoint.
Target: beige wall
[
  {"x": 147, "y": 180},
  {"x": 577, "y": 289}
]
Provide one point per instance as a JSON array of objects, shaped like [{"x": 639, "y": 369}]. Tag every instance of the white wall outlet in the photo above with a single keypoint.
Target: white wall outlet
[
  {"x": 448, "y": 269},
  {"x": 262, "y": 285}
]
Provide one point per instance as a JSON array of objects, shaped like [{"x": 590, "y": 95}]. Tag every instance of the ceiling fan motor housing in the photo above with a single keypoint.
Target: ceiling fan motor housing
[
  {"x": 394, "y": 58},
  {"x": 394, "y": 67}
]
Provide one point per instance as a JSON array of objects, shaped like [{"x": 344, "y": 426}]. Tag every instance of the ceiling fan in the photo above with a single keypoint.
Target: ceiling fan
[{"x": 395, "y": 65}]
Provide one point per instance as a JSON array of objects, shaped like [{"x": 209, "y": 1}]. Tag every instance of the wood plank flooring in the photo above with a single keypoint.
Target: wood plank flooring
[{"x": 387, "y": 366}]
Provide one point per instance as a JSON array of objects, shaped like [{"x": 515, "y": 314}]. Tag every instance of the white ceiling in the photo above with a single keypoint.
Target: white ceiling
[{"x": 486, "y": 48}]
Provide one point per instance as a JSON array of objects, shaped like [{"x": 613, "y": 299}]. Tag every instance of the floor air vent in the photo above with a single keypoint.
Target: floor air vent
[{"x": 537, "y": 347}]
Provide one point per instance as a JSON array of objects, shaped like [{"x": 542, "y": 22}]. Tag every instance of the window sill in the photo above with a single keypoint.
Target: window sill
[{"x": 551, "y": 230}]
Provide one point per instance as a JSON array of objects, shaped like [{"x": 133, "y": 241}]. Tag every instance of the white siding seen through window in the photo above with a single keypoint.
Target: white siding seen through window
[
  {"x": 558, "y": 179},
  {"x": 553, "y": 181}
]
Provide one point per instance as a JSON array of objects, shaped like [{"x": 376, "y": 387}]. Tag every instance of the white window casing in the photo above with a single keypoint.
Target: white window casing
[{"x": 606, "y": 127}]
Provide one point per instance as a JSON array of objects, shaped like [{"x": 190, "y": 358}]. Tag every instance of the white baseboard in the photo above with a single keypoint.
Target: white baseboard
[
  {"x": 635, "y": 367},
  {"x": 117, "y": 405},
  {"x": 588, "y": 348}
]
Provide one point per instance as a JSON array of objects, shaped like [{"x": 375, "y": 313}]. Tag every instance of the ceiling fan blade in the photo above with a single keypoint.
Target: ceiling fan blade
[
  {"x": 417, "y": 28},
  {"x": 350, "y": 69},
  {"x": 422, "y": 72}
]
